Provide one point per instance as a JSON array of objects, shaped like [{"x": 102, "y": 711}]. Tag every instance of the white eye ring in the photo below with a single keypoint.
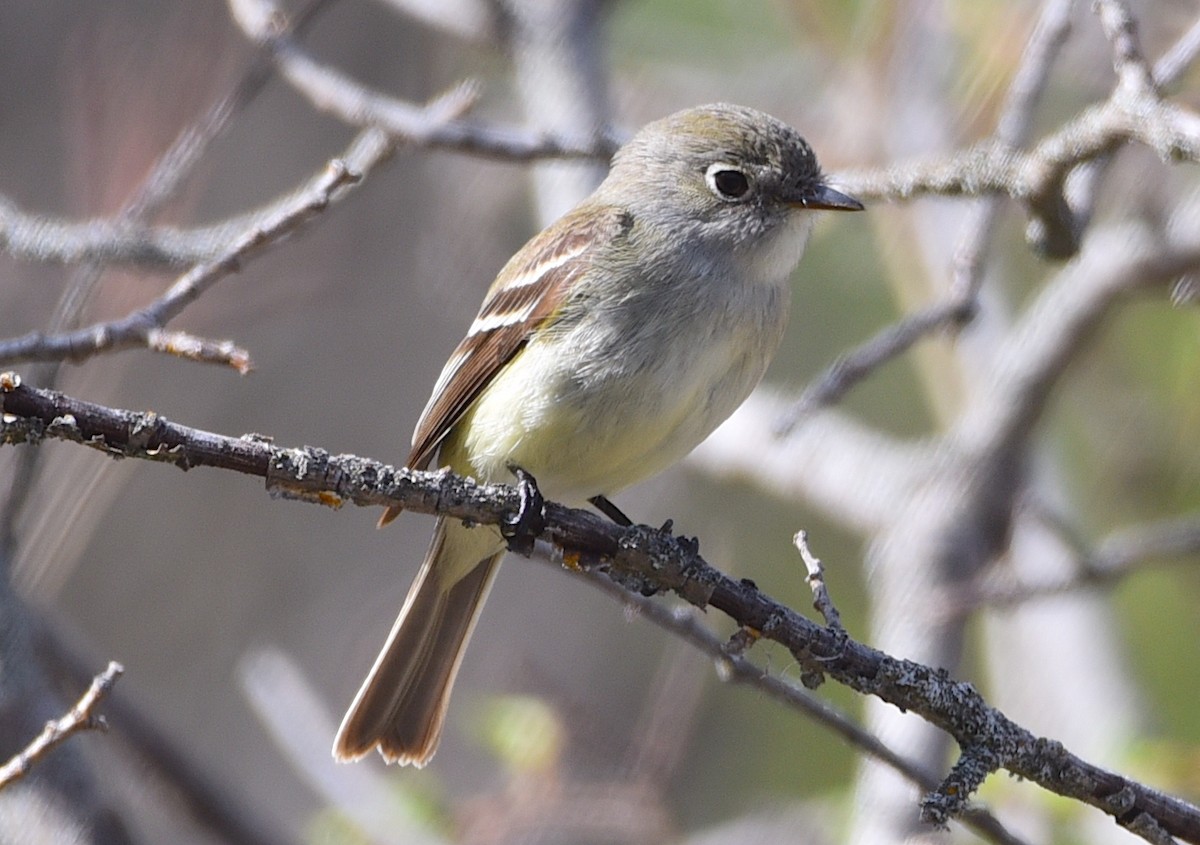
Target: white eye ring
[{"x": 728, "y": 182}]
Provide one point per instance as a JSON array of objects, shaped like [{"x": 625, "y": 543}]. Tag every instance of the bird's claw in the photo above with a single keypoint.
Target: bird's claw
[{"x": 606, "y": 507}]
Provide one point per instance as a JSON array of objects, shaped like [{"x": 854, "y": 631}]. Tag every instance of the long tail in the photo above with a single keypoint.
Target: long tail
[{"x": 402, "y": 704}]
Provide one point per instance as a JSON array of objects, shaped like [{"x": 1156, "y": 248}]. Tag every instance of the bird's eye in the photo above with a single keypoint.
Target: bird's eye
[{"x": 727, "y": 182}]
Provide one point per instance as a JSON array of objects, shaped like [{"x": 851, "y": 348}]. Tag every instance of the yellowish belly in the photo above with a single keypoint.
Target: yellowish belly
[{"x": 613, "y": 430}]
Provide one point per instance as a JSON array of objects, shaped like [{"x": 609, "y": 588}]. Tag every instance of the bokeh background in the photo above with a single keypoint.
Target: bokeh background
[{"x": 194, "y": 581}]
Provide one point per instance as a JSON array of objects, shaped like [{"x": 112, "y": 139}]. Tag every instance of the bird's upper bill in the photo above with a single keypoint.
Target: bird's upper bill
[{"x": 826, "y": 198}]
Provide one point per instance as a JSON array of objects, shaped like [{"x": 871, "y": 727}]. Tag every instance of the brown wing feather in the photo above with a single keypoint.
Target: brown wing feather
[{"x": 529, "y": 289}]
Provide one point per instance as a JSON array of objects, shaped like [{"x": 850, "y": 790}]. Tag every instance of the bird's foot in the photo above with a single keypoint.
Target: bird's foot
[{"x": 523, "y": 530}]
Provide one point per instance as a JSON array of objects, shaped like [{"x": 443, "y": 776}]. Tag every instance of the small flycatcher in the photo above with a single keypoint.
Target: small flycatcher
[{"x": 606, "y": 350}]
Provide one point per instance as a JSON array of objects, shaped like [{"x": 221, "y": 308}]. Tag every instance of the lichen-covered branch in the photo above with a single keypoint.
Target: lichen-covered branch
[
  {"x": 647, "y": 559},
  {"x": 734, "y": 667}
]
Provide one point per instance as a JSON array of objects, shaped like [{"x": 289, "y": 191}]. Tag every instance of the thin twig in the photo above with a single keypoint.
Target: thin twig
[
  {"x": 816, "y": 581},
  {"x": 1133, "y": 73},
  {"x": 81, "y": 717},
  {"x": 202, "y": 349},
  {"x": 209, "y": 801}
]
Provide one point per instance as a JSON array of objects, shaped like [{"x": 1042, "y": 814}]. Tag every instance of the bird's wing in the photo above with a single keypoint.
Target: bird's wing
[{"x": 528, "y": 292}]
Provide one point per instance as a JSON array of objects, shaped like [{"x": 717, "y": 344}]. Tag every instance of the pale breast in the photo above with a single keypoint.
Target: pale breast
[{"x": 584, "y": 430}]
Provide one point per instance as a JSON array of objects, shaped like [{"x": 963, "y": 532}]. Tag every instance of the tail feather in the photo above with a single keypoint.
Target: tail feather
[
  {"x": 388, "y": 515},
  {"x": 402, "y": 705}
]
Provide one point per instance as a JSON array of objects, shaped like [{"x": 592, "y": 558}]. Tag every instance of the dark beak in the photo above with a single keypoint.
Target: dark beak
[{"x": 825, "y": 197}]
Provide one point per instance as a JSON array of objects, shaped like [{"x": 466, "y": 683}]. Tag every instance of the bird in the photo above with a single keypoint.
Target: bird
[{"x": 606, "y": 349}]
